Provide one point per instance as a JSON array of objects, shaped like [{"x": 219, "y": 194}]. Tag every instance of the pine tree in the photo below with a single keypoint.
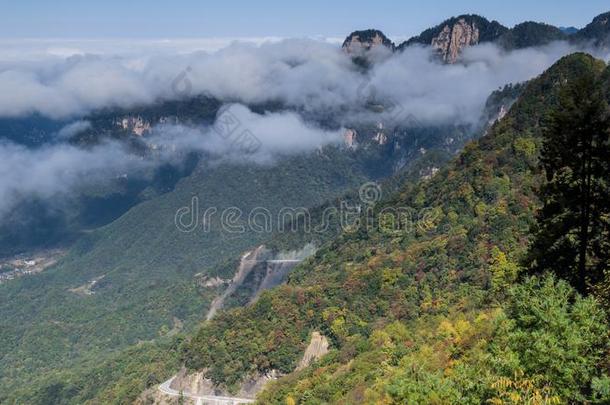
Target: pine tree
[{"x": 572, "y": 237}]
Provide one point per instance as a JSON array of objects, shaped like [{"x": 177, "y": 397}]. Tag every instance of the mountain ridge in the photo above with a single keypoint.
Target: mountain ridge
[
  {"x": 137, "y": 278},
  {"x": 363, "y": 280},
  {"x": 453, "y": 35}
]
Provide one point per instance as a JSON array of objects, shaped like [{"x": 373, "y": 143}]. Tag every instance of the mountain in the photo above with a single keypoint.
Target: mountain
[
  {"x": 450, "y": 37},
  {"x": 359, "y": 41},
  {"x": 134, "y": 276},
  {"x": 127, "y": 281},
  {"x": 187, "y": 292},
  {"x": 428, "y": 302},
  {"x": 530, "y": 34},
  {"x": 38, "y": 225},
  {"x": 33, "y": 130},
  {"x": 137, "y": 277},
  {"x": 422, "y": 305},
  {"x": 359, "y": 44},
  {"x": 569, "y": 30},
  {"x": 431, "y": 311},
  {"x": 454, "y": 35},
  {"x": 597, "y": 32}
]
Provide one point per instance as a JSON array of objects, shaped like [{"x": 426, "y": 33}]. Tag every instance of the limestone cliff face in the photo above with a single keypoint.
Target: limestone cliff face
[
  {"x": 134, "y": 124},
  {"x": 318, "y": 347},
  {"x": 359, "y": 41},
  {"x": 454, "y": 35},
  {"x": 453, "y": 39},
  {"x": 350, "y": 138}
]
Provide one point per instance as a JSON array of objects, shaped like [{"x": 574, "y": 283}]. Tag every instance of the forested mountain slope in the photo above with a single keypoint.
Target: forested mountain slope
[
  {"x": 402, "y": 307},
  {"x": 122, "y": 310}
]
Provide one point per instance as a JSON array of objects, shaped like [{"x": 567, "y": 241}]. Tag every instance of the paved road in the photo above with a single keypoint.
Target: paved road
[
  {"x": 276, "y": 261},
  {"x": 203, "y": 399}
]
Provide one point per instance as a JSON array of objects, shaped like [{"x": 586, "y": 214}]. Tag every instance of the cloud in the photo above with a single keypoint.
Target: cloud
[
  {"x": 315, "y": 80},
  {"x": 54, "y": 171},
  {"x": 241, "y": 135},
  {"x": 437, "y": 93},
  {"x": 71, "y": 87},
  {"x": 313, "y": 77},
  {"x": 18, "y": 50},
  {"x": 44, "y": 81}
]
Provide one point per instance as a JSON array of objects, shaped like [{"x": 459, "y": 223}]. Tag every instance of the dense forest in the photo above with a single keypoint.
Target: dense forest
[
  {"x": 451, "y": 310},
  {"x": 481, "y": 274},
  {"x": 444, "y": 314}
]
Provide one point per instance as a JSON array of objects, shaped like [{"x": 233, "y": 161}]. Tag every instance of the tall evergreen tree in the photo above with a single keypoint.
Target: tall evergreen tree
[{"x": 573, "y": 229}]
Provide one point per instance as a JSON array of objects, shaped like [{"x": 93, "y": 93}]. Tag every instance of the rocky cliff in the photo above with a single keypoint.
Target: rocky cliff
[
  {"x": 452, "y": 36},
  {"x": 197, "y": 384},
  {"x": 455, "y": 34},
  {"x": 359, "y": 41},
  {"x": 452, "y": 39}
]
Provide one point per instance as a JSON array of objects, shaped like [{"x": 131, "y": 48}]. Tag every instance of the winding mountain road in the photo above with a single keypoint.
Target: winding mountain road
[{"x": 203, "y": 399}]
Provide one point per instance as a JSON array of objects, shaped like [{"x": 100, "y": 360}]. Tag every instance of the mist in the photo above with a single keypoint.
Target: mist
[
  {"x": 54, "y": 171},
  {"x": 308, "y": 77},
  {"x": 250, "y": 136}
]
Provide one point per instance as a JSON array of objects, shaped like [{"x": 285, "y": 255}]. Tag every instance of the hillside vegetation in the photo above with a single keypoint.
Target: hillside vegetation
[
  {"x": 434, "y": 315},
  {"x": 434, "y": 301}
]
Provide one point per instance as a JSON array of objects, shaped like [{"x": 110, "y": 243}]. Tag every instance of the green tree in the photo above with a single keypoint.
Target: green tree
[
  {"x": 572, "y": 237},
  {"x": 558, "y": 337},
  {"x": 503, "y": 271}
]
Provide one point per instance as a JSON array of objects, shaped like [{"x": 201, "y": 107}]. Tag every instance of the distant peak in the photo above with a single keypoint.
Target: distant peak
[
  {"x": 453, "y": 35},
  {"x": 596, "y": 32},
  {"x": 365, "y": 40},
  {"x": 530, "y": 33},
  {"x": 569, "y": 30}
]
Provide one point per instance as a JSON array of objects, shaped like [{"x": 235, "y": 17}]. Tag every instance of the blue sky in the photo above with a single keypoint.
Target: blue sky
[{"x": 240, "y": 18}]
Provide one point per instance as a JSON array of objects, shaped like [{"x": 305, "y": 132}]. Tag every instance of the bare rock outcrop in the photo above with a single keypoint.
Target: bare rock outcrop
[
  {"x": 248, "y": 261},
  {"x": 359, "y": 41},
  {"x": 350, "y": 138},
  {"x": 318, "y": 347},
  {"x": 196, "y": 383},
  {"x": 451, "y": 37}
]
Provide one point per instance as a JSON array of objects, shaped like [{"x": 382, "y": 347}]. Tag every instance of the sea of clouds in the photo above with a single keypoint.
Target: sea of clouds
[{"x": 68, "y": 80}]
